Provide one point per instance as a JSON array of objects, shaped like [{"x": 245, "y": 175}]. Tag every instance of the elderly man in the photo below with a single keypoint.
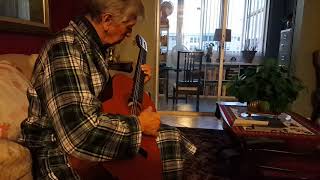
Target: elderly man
[{"x": 69, "y": 78}]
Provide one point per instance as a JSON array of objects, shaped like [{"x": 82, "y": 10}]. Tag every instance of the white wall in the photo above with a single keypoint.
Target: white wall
[{"x": 306, "y": 41}]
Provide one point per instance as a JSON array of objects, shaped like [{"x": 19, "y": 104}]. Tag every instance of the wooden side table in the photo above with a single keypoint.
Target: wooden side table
[{"x": 274, "y": 153}]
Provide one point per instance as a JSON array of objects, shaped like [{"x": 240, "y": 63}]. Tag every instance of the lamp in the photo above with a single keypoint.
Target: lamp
[{"x": 218, "y": 36}]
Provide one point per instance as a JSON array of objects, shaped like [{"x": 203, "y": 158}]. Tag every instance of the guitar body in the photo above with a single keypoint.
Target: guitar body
[
  {"x": 139, "y": 167},
  {"x": 122, "y": 89}
]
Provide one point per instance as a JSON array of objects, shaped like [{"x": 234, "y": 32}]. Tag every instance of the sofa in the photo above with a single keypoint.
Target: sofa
[{"x": 15, "y": 73}]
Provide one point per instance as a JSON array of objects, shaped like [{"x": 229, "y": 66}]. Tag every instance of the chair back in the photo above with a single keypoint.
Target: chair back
[{"x": 189, "y": 64}]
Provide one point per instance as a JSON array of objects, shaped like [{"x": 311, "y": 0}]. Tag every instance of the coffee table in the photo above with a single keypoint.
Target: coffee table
[{"x": 274, "y": 153}]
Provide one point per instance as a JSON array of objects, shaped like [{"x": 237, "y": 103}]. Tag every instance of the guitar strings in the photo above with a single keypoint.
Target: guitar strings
[
  {"x": 138, "y": 89},
  {"x": 134, "y": 106},
  {"x": 138, "y": 86}
]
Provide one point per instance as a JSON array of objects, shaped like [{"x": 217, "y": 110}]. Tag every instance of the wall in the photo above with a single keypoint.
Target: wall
[
  {"x": 61, "y": 12},
  {"x": 306, "y": 40}
]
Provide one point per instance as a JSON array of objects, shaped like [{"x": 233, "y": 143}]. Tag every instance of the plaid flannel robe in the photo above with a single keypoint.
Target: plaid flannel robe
[{"x": 65, "y": 111}]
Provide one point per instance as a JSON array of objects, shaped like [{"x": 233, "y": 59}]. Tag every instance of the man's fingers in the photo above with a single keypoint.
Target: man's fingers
[{"x": 146, "y": 69}]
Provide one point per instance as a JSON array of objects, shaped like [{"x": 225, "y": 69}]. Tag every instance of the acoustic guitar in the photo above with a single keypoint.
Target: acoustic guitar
[{"x": 129, "y": 97}]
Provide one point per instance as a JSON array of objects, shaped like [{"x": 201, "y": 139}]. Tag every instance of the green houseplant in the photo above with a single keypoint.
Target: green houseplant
[{"x": 271, "y": 84}]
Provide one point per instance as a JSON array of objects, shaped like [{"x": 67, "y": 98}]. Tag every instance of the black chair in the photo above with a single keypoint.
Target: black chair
[{"x": 189, "y": 75}]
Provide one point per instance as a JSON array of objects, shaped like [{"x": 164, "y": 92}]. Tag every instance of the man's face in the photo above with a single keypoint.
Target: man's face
[{"x": 118, "y": 31}]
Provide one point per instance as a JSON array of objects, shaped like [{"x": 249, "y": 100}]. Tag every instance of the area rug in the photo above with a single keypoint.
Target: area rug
[{"x": 205, "y": 164}]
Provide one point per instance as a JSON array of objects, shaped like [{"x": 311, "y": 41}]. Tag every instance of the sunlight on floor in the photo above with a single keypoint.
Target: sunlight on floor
[
  {"x": 205, "y": 122},
  {"x": 206, "y": 105}
]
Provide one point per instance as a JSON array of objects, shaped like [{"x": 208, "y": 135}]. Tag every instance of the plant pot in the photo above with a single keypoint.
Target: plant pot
[
  {"x": 259, "y": 106},
  {"x": 248, "y": 56}
]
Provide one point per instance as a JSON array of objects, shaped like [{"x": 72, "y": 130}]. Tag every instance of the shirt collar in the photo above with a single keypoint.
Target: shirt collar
[{"x": 90, "y": 32}]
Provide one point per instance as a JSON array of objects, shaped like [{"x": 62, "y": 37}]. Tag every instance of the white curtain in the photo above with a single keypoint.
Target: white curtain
[
  {"x": 23, "y": 11},
  {"x": 255, "y": 13},
  {"x": 193, "y": 23}
]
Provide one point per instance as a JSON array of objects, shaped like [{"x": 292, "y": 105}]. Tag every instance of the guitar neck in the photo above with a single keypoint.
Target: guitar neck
[{"x": 137, "y": 90}]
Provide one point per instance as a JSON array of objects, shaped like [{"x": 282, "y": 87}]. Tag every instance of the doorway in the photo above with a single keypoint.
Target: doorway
[
  {"x": 219, "y": 28},
  {"x": 186, "y": 25}
]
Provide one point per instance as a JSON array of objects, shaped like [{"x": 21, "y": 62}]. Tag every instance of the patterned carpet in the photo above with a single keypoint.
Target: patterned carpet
[
  {"x": 205, "y": 165},
  {"x": 217, "y": 159}
]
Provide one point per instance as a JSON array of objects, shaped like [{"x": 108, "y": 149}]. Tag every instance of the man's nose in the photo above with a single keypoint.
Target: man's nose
[{"x": 129, "y": 32}]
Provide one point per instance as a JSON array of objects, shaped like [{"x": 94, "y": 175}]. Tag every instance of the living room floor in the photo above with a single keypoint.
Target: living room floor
[
  {"x": 184, "y": 114},
  {"x": 206, "y": 104},
  {"x": 192, "y": 121}
]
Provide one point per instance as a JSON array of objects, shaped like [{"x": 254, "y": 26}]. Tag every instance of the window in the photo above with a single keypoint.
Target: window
[
  {"x": 246, "y": 20},
  {"x": 254, "y": 24},
  {"x": 193, "y": 26}
]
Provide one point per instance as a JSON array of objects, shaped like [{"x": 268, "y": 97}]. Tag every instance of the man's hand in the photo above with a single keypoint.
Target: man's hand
[
  {"x": 149, "y": 121},
  {"x": 146, "y": 68}
]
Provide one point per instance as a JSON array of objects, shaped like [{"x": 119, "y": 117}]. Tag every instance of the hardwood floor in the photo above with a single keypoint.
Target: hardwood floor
[
  {"x": 206, "y": 104},
  {"x": 191, "y": 121},
  {"x": 185, "y": 115}
]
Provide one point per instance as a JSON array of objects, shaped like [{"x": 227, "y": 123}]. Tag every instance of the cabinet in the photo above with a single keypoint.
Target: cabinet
[
  {"x": 230, "y": 71},
  {"x": 285, "y": 47},
  {"x": 163, "y": 73},
  {"x": 164, "y": 35}
]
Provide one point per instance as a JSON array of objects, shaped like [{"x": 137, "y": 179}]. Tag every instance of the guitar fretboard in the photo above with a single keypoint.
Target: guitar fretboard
[{"x": 137, "y": 90}]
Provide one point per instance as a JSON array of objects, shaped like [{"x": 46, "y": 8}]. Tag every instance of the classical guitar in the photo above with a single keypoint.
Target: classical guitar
[
  {"x": 130, "y": 98},
  {"x": 128, "y": 95}
]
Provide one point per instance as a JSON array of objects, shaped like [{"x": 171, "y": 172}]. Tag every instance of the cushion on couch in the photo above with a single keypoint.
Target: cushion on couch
[
  {"x": 13, "y": 100},
  {"x": 15, "y": 161},
  {"x": 15, "y": 72},
  {"x": 22, "y": 62}
]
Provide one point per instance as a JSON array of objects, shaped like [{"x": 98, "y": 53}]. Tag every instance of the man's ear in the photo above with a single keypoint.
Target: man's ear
[{"x": 106, "y": 19}]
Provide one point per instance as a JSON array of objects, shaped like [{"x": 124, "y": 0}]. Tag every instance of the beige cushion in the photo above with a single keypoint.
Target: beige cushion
[
  {"x": 13, "y": 100},
  {"x": 23, "y": 62},
  {"x": 15, "y": 161},
  {"x": 15, "y": 72}
]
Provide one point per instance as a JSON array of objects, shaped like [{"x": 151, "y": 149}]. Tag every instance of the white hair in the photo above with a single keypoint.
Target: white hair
[{"x": 120, "y": 9}]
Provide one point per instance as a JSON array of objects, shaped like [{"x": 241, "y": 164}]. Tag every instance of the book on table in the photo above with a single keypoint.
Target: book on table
[{"x": 246, "y": 119}]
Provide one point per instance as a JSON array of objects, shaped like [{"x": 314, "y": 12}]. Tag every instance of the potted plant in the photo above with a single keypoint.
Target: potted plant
[
  {"x": 249, "y": 52},
  {"x": 270, "y": 88}
]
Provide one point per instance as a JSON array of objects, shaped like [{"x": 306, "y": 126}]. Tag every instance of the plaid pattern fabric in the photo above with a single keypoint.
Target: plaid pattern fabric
[
  {"x": 174, "y": 148},
  {"x": 65, "y": 110}
]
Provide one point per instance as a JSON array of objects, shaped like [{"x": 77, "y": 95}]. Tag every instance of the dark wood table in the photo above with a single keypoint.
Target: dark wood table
[{"x": 273, "y": 154}]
